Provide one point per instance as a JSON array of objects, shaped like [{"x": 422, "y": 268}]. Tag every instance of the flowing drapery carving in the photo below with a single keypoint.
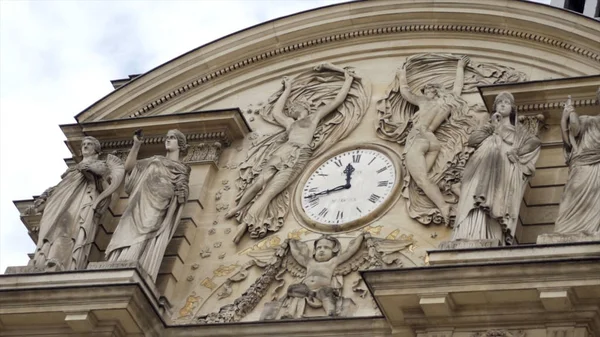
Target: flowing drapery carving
[
  {"x": 315, "y": 110},
  {"x": 434, "y": 129}
]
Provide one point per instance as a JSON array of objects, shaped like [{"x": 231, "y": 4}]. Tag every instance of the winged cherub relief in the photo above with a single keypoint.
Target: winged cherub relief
[
  {"x": 315, "y": 109},
  {"x": 434, "y": 126},
  {"x": 319, "y": 276}
]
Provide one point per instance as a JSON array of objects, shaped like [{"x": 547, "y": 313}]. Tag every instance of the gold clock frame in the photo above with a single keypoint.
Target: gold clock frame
[{"x": 308, "y": 223}]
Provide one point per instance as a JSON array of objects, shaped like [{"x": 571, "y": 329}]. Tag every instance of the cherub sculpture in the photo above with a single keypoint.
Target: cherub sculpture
[
  {"x": 320, "y": 286},
  {"x": 320, "y": 276}
]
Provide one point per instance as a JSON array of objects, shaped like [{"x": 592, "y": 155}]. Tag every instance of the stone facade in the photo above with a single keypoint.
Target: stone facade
[{"x": 329, "y": 156}]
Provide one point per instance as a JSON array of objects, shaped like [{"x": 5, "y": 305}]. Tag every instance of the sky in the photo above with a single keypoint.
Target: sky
[{"x": 58, "y": 57}]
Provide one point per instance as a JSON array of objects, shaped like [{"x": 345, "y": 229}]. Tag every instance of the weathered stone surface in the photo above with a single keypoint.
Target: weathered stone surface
[{"x": 567, "y": 237}]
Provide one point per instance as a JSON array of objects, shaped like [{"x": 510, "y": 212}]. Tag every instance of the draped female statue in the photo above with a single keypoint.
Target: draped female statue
[
  {"x": 495, "y": 176},
  {"x": 579, "y": 210},
  {"x": 71, "y": 209},
  {"x": 158, "y": 189}
]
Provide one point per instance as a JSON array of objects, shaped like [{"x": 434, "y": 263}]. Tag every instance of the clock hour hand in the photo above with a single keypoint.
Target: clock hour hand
[
  {"x": 338, "y": 188},
  {"x": 348, "y": 170}
]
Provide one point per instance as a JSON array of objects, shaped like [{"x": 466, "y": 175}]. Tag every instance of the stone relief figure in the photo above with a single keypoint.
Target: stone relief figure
[
  {"x": 434, "y": 126},
  {"x": 158, "y": 190},
  {"x": 495, "y": 176},
  {"x": 320, "y": 276},
  {"x": 314, "y": 110},
  {"x": 579, "y": 210},
  {"x": 319, "y": 288},
  {"x": 71, "y": 210}
]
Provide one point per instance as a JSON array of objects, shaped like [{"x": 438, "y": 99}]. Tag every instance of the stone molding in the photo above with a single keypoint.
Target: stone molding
[
  {"x": 345, "y": 19},
  {"x": 360, "y": 33}
]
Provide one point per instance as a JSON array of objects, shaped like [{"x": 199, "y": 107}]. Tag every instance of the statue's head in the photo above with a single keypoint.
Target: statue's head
[
  {"x": 299, "y": 108},
  {"x": 431, "y": 90},
  {"x": 174, "y": 140},
  {"x": 326, "y": 247},
  {"x": 504, "y": 104},
  {"x": 90, "y": 146}
]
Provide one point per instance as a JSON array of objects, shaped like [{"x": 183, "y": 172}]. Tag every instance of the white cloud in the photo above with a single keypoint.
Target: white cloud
[{"x": 57, "y": 58}]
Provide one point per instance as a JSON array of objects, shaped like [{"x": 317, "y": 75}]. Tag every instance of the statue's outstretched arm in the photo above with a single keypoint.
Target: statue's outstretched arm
[
  {"x": 352, "y": 248},
  {"x": 339, "y": 98},
  {"x": 279, "y": 106},
  {"x": 300, "y": 254},
  {"x": 132, "y": 156},
  {"x": 405, "y": 89},
  {"x": 460, "y": 75}
]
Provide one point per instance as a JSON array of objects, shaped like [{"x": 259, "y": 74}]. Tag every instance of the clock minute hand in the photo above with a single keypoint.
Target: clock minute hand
[{"x": 338, "y": 188}]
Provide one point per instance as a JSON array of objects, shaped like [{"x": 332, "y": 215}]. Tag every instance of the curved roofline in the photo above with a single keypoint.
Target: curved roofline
[
  {"x": 213, "y": 42},
  {"x": 272, "y": 32}
]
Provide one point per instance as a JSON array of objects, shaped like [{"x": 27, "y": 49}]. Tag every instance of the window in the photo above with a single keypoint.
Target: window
[{"x": 575, "y": 5}]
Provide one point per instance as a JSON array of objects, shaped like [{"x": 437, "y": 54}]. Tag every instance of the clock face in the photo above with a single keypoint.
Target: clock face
[{"x": 348, "y": 186}]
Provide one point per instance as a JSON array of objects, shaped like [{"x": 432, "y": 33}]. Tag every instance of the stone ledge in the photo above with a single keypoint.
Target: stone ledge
[
  {"x": 514, "y": 253},
  {"x": 557, "y": 238},
  {"x": 547, "y": 291}
]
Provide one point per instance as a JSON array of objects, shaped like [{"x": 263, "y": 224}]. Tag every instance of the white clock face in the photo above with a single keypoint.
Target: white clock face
[{"x": 348, "y": 186}]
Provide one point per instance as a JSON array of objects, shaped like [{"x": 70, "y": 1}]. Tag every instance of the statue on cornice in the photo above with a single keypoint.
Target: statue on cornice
[
  {"x": 71, "y": 210},
  {"x": 496, "y": 175},
  {"x": 314, "y": 110},
  {"x": 158, "y": 190},
  {"x": 579, "y": 210},
  {"x": 434, "y": 126}
]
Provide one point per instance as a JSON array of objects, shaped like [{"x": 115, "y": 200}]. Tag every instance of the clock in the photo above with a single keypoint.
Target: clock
[{"x": 347, "y": 189}]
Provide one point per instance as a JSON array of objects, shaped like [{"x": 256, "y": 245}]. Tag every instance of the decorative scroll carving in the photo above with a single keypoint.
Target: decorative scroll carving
[
  {"x": 204, "y": 152},
  {"x": 314, "y": 110},
  {"x": 533, "y": 124},
  {"x": 71, "y": 210},
  {"x": 158, "y": 189},
  {"x": 578, "y": 211},
  {"x": 321, "y": 271},
  {"x": 434, "y": 135},
  {"x": 495, "y": 176}
]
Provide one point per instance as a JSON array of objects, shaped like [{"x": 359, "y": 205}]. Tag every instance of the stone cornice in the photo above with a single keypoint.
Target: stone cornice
[
  {"x": 548, "y": 96},
  {"x": 218, "y": 126},
  {"x": 516, "y": 20}
]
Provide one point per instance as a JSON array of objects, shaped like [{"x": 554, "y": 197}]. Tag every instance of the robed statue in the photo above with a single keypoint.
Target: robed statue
[
  {"x": 71, "y": 210},
  {"x": 579, "y": 210},
  {"x": 158, "y": 190},
  {"x": 496, "y": 175}
]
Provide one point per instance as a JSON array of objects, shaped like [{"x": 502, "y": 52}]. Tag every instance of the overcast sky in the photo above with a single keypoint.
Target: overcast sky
[{"x": 58, "y": 57}]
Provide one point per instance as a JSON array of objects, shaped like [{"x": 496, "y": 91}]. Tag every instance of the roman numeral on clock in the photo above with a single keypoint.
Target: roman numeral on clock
[
  {"x": 382, "y": 169},
  {"x": 340, "y": 215},
  {"x": 338, "y": 162},
  {"x": 323, "y": 212},
  {"x": 356, "y": 158},
  {"x": 312, "y": 202},
  {"x": 374, "y": 198},
  {"x": 382, "y": 183}
]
